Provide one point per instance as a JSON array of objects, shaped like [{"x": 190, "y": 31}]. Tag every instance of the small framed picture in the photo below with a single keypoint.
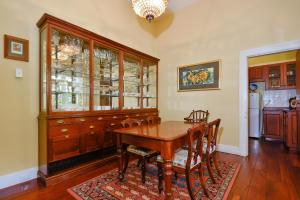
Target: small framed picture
[
  {"x": 16, "y": 48},
  {"x": 202, "y": 76}
]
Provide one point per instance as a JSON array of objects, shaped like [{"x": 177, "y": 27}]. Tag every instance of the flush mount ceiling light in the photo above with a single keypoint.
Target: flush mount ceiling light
[{"x": 149, "y": 9}]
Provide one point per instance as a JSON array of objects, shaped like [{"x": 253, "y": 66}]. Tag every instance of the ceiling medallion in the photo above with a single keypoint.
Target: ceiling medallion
[{"x": 149, "y": 9}]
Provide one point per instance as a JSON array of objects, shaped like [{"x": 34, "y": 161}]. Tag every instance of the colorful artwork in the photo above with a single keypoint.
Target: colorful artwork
[
  {"x": 202, "y": 76},
  {"x": 16, "y": 48}
]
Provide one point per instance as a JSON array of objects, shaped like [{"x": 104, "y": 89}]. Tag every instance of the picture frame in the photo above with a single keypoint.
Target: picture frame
[
  {"x": 201, "y": 76},
  {"x": 16, "y": 48}
]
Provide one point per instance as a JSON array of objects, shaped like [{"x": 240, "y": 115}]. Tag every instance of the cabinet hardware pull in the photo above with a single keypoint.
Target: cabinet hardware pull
[
  {"x": 92, "y": 133},
  {"x": 127, "y": 116},
  {"x": 91, "y": 127},
  {"x": 67, "y": 136},
  {"x": 64, "y": 130},
  {"x": 82, "y": 119},
  {"x": 61, "y": 121},
  {"x": 112, "y": 124},
  {"x": 114, "y": 117},
  {"x": 137, "y": 115},
  {"x": 100, "y": 118}
]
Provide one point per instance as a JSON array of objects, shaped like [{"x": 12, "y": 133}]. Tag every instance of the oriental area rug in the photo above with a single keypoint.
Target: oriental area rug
[{"x": 108, "y": 187}]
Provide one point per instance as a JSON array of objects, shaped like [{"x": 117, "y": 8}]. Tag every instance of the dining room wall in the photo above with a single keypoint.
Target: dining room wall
[
  {"x": 210, "y": 30},
  {"x": 19, "y": 97}
]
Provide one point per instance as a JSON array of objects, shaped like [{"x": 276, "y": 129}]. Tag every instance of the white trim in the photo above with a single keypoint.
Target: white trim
[
  {"x": 228, "y": 149},
  {"x": 244, "y": 55},
  {"x": 14, "y": 178}
]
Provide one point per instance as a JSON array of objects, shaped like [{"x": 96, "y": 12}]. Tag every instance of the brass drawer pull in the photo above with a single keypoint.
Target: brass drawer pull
[
  {"x": 64, "y": 130},
  {"x": 91, "y": 127},
  {"x": 61, "y": 121},
  {"x": 127, "y": 116},
  {"x": 67, "y": 136},
  {"x": 92, "y": 133},
  {"x": 112, "y": 124},
  {"x": 100, "y": 118},
  {"x": 82, "y": 119},
  {"x": 137, "y": 115},
  {"x": 115, "y": 117}
]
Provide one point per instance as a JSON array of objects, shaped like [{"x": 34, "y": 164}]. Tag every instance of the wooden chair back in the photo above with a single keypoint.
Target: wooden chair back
[
  {"x": 197, "y": 116},
  {"x": 213, "y": 131},
  {"x": 130, "y": 122},
  {"x": 195, "y": 136},
  {"x": 153, "y": 120}
]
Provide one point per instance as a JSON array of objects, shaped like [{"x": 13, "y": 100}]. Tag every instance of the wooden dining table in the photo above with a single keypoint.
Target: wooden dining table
[{"x": 165, "y": 137}]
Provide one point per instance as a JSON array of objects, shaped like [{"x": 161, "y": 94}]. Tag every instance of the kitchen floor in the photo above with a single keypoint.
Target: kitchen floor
[{"x": 269, "y": 172}]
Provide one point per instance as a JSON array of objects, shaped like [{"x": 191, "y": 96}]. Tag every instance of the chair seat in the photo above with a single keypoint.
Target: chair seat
[
  {"x": 140, "y": 151},
  {"x": 180, "y": 158}
]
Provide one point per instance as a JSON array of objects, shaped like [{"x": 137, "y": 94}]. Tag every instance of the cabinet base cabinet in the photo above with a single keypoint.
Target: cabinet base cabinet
[
  {"x": 273, "y": 124},
  {"x": 290, "y": 127},
  {"x": 69, "y": 144}
]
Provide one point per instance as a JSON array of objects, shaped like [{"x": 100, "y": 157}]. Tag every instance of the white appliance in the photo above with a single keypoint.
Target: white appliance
[{"x": 254, "y": 114}]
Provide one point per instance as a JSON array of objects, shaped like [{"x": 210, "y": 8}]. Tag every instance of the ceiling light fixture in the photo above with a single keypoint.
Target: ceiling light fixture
[{"x": 149, "y": 9}]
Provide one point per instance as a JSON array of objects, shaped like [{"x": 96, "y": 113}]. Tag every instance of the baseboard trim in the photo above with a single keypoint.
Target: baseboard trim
[
  {"x": 228, "y": 149},
  {"x": 15, "y": 178}
]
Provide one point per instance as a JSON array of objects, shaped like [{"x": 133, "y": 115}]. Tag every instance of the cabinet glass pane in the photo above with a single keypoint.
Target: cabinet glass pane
[
  {"x": 106, "y": 79},
  {"x": 132, "y": 83},
  {"x": 44, "y": 70},
  {"x": 70, "y": 72},
  {"x": 149, "y": 85},
  {"x": 274, "y": 76},
  {"x": 291, "y": 74}
]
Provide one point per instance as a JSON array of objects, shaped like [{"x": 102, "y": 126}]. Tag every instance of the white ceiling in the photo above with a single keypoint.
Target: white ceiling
[{"x": 176, "y": 5}]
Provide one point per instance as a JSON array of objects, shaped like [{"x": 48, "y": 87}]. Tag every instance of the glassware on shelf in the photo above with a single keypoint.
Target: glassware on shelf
[
  {"x": 149, "y": 85},
  {"x": 106, "y": 78},
  {"x": 70, "y": 72}
]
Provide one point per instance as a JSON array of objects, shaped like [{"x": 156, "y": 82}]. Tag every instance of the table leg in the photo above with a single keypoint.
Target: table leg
[
  {"x": 168, "y": 178},
  {"x": 120, "y": 155}
]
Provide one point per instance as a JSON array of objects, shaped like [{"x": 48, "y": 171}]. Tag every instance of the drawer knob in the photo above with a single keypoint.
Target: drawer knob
[
  {"x": 112, "y": 124},
  {"x": 137, "y": 115},
  {"x": 92, "y": 133},
  {"x": 61, "y": 121},
  {"x": 100, "y": 118},
  {"x": 91, "y": 127},
  {"x": 64, "y": 130},
  {"x": 82, "y": 119},
  {"x": 127, "y": 116},
  {"x": 67, "y": 136},
  {"x": 115, "y": 117}
]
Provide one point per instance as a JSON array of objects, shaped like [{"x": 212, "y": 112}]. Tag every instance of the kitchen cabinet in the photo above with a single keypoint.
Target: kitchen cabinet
[
  {"x": 273, "y": 124},
  {"x": 256, "y": 74},
  {"x": 290, "y": 129},
  {"x": 88, "y": 85}
]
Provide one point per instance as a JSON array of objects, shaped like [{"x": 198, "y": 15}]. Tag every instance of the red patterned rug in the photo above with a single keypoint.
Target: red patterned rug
[{"x": 108, "y": 187}]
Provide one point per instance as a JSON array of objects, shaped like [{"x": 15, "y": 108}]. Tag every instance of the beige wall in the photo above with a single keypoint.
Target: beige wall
[
  {"x": 19, "y": 97},
  {"x": 210, "y": 30}
]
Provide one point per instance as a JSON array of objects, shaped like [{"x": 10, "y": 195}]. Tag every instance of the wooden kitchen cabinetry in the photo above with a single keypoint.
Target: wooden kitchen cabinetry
[
  {"x": 273, "y": 124},
  {"x": 256, "y": 74},
  {"x": 290, "y": 129},
  {"x": 88, "y": 85}
]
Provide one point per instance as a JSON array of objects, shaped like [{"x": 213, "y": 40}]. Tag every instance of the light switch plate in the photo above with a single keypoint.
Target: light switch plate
[{"x": 19, "y": 73}]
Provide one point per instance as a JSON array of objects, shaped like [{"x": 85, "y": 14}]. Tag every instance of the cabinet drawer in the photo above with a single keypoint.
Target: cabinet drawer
[
  {"x": 91, "y": 127},
  {"x": 92, "y": 141},
  {"x": 84, "y": 119},
  {"x": 63, "y": 130},
  {"x": 60, "y": 122},
  {"x": 63, "y": 147}
]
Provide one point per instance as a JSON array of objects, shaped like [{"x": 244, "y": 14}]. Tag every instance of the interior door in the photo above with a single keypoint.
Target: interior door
[{"x": 298, "y": 97}]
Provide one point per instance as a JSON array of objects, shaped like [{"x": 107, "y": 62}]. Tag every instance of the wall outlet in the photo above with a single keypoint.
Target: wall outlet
[{"x": 19, "y": 73}]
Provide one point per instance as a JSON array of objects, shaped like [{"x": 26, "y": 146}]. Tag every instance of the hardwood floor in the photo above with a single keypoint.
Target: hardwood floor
[{"x": 269, "y": 172}]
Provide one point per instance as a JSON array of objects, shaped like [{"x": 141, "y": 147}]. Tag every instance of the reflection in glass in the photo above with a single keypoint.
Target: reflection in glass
[
  {"x": 132, "y": 83},
  {"x": 106, "y": 79},
  {"x": 149, "y": 85},
  {"x": 70, "y": 73}
]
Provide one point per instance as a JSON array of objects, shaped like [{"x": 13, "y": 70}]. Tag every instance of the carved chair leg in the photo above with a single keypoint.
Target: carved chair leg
[
  {"x": 208, "y": 164},
  {"x": 202, "y": 182},
  {"x": 188, "y": 184},
  {"x": 126, "y": 158},
  {"x": 139, "y": 162},
  {"x": 143, "y": 168},
  {"x": 216, "y": 165},
  {"x": 160, "y": 177}
]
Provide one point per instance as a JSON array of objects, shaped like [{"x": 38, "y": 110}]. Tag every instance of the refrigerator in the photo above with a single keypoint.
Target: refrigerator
[{"x": 254, "y": 115}]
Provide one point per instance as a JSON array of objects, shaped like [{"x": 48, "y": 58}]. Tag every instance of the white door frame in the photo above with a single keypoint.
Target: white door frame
[{"x": 244, "y": 55}]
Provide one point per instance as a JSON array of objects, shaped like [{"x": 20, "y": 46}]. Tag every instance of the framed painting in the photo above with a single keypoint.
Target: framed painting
[
  {"x": 202, "y": 76},
  {"x": 16, "y": 48}
]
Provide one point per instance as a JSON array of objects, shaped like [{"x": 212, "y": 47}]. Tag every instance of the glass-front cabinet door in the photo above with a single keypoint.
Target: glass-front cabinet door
[
  {"x": 131, "y": 83},
  {"x": 274, "y": 76},
  {"x": 106, "y": 78},
  {"x": 70, "y": 83},
  {"x": 290, "y": 74},
  {"x": 149, "y": 84}
]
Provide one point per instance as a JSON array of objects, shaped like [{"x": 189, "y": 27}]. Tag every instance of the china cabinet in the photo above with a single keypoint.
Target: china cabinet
[{"x": 88, "y": 85}]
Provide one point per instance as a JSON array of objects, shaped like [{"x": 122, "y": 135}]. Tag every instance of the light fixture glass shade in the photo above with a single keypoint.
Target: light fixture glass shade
[{"x": 149, "y": 9}]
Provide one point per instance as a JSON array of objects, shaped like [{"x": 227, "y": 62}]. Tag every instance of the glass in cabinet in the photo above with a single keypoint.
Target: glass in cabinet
[
  {"x": 70, "y": 82},
  {"x": 149, "y": 85},
  {"x": 291, "y": 74},
  {"x": 106, "y": 79},
  {"x": 274, "y": 76},
  {"x": 131, "y": 83}
]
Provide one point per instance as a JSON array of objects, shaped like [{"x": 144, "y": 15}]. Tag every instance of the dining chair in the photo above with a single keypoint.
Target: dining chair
[
  {"x": 142, "y": 153},
  {"x": 187, "y": 161},
  {"x": 209, "y": 148},
  {"x": 197, "y": 116}
]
